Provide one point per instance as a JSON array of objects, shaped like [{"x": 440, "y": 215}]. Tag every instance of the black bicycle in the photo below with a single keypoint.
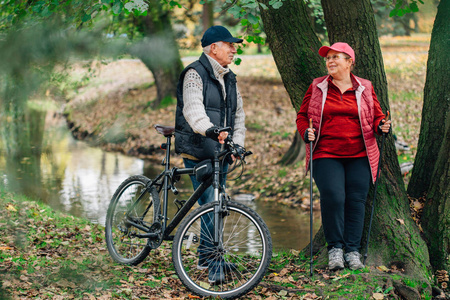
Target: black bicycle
[{"x": 221, "y": 249}]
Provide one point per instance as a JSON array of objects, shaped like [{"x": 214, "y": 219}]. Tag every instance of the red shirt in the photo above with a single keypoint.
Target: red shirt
[{"x": 341, "y": 133}]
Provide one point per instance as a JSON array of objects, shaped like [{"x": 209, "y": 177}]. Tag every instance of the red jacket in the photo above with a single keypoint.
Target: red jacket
[{"x": 369, "y": 114}]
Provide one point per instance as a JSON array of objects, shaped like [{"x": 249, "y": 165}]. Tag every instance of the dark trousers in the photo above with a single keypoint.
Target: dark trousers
[{"x": 343, "y": 185}]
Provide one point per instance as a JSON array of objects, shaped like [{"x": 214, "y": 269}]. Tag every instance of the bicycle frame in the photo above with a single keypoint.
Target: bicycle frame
[{"x": 168, "y": 176}]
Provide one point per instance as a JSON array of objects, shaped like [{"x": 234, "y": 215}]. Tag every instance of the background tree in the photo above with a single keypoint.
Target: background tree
[
  {"x": 435, "y": 107},
  {"x": 158, "y": 49},
  {"x": 208, "y": 15},
  {"x": 430, "y": 175}
]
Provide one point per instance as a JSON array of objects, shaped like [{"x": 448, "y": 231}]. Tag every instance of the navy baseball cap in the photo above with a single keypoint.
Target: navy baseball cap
[{"x": 217, "y": 34}]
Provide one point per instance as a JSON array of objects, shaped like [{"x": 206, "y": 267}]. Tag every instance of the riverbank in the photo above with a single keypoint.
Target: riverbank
[{"x": 46, "y": 254}]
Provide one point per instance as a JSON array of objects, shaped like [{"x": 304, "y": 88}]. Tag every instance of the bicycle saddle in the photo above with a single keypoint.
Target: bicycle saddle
[{"x": 164, "y": 130}]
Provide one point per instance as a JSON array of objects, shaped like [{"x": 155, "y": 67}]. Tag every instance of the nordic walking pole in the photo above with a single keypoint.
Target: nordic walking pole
[
  {"x": 375, "y": 190},
  {"x": 311, "y": 204}
]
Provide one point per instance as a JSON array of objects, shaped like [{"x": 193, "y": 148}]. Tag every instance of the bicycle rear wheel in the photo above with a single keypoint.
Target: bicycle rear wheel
[
  {"x": 130, "y": 203},
  {"x": 244, "y": 251}
]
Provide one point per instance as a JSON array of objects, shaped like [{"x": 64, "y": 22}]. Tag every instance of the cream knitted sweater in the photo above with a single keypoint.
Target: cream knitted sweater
[{"x": 194, "y": 110}]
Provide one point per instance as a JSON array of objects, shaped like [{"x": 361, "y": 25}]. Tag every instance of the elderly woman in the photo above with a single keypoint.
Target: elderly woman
[{"x": 346, "y": 115}]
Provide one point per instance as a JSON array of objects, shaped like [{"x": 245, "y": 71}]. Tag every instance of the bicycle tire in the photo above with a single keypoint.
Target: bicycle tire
[
  {"x": 122, "y": 243},
  {"x": 246, "y": 244}
]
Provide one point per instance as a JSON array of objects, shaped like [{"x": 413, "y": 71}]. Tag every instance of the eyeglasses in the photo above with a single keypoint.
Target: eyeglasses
[{"x": 335, "y": 57}]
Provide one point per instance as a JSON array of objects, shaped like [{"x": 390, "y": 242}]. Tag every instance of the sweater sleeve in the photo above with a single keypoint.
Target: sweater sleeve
[
  {"x": 302, "y": 115},
  {"x": 239, "y": 121},
  {"x": 194, "y": 110},
  {"x": 378, "y": 113}
]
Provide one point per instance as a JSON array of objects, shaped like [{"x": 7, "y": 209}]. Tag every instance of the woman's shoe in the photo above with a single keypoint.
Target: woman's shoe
[
  {"x": 335, "y": 259},
  {"x": 353, "y": 260}
]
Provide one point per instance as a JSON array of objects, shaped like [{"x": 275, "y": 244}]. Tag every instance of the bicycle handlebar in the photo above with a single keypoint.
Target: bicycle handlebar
[
  {"x": 219, "y": 130},
  {"x": 236, "y": 150}
]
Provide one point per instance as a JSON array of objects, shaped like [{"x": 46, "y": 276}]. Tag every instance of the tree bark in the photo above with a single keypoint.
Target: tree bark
[
  {"x": 436, "y": 215},
  {"x": 159, "y": 51},
  {"x": 431, "y": 175},
  {"x": 395, "y": 238},
  {"x": 436, "y": 105},
  {"x": 208, "y": 15}
]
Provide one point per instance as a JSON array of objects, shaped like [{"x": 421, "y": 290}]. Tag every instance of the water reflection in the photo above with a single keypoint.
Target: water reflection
[{"x": 78, "y": 179}]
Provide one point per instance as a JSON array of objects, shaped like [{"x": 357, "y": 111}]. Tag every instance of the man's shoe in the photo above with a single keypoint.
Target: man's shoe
[
  {"x": 353, "y": 260},
  {"x": 216, "y": 273},
  {"x": 335, "y": 259}
]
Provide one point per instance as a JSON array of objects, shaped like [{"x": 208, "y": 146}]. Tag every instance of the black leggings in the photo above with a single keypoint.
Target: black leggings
[{"x": 343, "y": 184}]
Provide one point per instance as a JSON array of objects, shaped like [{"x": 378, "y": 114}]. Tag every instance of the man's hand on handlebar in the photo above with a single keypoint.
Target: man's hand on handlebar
[
  {"x": 217, "y": 134},
  {"x": 239, "y": 151}
]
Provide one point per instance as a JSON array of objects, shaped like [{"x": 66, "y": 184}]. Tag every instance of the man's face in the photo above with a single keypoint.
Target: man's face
[{"x": 223, "y": 52}]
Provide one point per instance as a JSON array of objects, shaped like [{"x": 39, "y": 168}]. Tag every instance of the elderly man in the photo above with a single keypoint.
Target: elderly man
[{"x": 208, "y": 98}]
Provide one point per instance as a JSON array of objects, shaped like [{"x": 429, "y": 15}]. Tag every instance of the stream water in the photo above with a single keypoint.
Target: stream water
[{"x": 75, "y": 178}]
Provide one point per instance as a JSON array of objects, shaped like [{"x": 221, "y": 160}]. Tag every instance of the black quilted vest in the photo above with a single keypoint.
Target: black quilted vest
[{"x": 218, "y": 110}]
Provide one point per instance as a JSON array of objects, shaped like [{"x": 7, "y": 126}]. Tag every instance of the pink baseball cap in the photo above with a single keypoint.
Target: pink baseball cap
[{"x": 339, "y": 47}]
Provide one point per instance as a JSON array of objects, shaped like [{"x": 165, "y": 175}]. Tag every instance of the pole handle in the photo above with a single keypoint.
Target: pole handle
[{"x": 311, "y": 124}]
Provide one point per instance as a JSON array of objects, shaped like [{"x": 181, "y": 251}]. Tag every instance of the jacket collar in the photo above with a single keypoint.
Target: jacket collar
[
  {"x": 215, "y": 70},
  {"x": 323, "y": 85}
]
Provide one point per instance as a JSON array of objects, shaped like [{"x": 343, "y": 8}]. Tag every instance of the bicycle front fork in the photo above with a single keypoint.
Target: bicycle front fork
[{"x": 220, "y": 212}]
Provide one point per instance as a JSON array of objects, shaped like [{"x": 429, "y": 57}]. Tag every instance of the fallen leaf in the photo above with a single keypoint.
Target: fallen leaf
[
  {"x": 401, "y": 221},
  {"x": 283, "y": 293},
  {"x": 284, "y": 272},
  {"x": 418, "y": 205},
  {"x": 383, "y": 268},
  {"x": 295, "y": 252},
  {"x": 378, "y": 296},
  {"x": 11, "y": 208},
  {"x": 310, "y": 296}
]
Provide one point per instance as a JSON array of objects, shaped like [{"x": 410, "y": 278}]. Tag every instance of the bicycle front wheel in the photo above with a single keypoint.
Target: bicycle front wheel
[
  {"x": 131, "y": 204},
  {"x": 233, "y": 266}
]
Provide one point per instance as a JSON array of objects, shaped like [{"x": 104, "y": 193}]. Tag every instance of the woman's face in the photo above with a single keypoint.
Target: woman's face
[{"x": 338, "y": 64}]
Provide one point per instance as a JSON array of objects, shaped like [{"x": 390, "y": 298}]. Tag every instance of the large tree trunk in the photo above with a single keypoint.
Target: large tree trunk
[
  {"x": 393, "y": 242},
  {"x": 431, "y": 175},
  {"x": 159, "y": 51},
  {"x": 436, "y": 105}
]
